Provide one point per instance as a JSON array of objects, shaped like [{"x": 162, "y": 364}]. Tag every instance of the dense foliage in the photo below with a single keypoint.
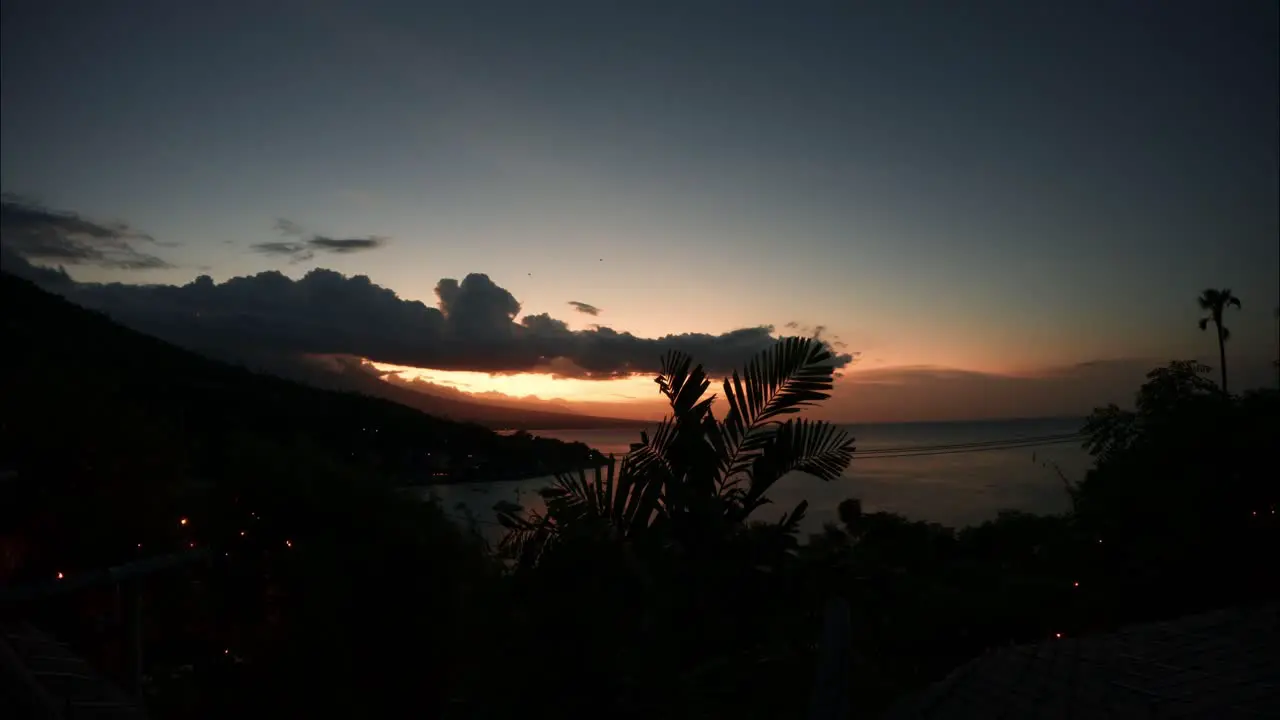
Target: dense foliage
[{"x": 661, "y": 592}]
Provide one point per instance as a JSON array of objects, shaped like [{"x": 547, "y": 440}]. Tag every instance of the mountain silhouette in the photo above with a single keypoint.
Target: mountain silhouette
[{"x": 64, "y": 361}]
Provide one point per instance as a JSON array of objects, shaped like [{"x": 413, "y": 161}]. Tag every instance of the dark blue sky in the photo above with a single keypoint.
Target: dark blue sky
[{"x": 983, "y": 185}]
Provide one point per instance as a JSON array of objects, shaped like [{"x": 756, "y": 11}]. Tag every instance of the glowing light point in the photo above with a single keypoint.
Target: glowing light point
[
  {"x": 241, "y": 533},
  {"x": 60, "y": 576},
  {"x": 1058, "y": 635},
  {"x": 182, "y": 521},
  {"x": 288, "y": 543},
  {"x": 1075, "y": 584},
  {"x": 191, "y": 544}
]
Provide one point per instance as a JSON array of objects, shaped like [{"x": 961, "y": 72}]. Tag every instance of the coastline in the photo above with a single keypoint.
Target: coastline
[{"x": 486, "y": 478}]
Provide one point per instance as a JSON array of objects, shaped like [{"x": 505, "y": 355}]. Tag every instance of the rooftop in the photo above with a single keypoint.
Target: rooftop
[
  {"x": 1221, "y": 665},
  {"x": 42, "y": 678}
]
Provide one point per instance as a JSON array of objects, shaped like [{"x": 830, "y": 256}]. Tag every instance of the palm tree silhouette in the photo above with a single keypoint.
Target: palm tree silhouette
[
  {"x": 1216, "y": 303},
  {"x": 697, "y": 479}
]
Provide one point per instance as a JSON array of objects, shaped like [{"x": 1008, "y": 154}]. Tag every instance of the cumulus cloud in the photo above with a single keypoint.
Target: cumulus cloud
[
  {"x": 40, "y": 234},
  {"x": 584, "y": 308},
  {"x": 475, "y": 325},
  {"x": 306, "y": 248}
]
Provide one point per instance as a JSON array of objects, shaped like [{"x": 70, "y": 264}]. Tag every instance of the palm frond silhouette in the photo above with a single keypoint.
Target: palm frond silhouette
[{"x": 697, "y": 477}]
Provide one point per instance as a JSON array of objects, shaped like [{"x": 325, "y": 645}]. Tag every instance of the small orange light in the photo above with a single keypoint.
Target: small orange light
[
  {"x": 226, "y": 652},
  {"x": 241, "y": 533},
  {"x": 191, "y": 544},
  {"x": 1058, "y": 635},
  {"x": 288, "y": 543},
  {"x": 60, "y": 576},
  {"x": 183, "y": 521},
  {"x": 1076, "y": 584},
  {"x": 139, "y": 545}
]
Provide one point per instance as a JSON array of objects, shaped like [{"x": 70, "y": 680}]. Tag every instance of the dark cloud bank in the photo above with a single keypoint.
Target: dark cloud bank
[
  {"x": 301, "y": 328},
  {"x": 475, "y": 326}
]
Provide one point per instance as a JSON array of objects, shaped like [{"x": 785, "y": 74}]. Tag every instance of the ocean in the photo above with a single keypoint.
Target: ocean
[{"x": 954, "y": 473}]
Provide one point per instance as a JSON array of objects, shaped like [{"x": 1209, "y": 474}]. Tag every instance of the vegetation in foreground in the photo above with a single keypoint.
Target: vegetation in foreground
[
  {"x": 644, "y": 589},
  {"x": 1166, "y": 523}
]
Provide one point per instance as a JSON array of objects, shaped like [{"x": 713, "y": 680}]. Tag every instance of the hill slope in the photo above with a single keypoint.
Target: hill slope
[{"x": 72, "y": 375}]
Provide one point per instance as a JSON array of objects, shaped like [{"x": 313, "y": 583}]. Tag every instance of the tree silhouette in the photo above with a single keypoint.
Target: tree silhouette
[
  {"x": 698, "y": 478},
  {"x": 1215, "y": 302}
]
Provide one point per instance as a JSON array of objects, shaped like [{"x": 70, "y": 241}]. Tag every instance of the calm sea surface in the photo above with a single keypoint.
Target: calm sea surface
[{"x": 961, "y": 482}]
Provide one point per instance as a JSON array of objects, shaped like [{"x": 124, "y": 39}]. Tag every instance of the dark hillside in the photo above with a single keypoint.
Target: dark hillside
[{"x": 65, "y": 363}]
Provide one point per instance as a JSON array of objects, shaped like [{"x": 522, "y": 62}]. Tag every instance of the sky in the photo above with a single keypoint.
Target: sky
[{"x": 995, "y": 208}]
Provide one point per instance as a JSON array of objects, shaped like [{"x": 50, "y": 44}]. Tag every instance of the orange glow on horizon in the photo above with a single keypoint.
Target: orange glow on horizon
[
  {"x": 542, "y": 386},
  {"x": 638, "y": 389},
  {"x": 873, "y": 389},
  {"x": 635, "y": 397}
]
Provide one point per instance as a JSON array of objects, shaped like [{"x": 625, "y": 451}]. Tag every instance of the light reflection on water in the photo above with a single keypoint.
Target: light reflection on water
[{"x": 953, "y": 489}]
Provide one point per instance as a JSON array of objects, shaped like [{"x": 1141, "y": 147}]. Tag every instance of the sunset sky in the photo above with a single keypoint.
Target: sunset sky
[{"x": 1002, "y": 208}]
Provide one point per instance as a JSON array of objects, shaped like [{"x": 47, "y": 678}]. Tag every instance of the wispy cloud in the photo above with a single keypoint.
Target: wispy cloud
[
  {"x": 307, "y": 248},
  {"x": 289, "y": 227},
  {"x": 923, "y": 392},
  {"x": 347, "y": 245},
  {"x": 38, "y": 233},
  {"x": 584, "y": 308}
]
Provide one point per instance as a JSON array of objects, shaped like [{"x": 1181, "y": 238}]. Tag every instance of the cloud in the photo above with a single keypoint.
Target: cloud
[
  {"x": 911, "y": 393},
  {"x": 289, "y": 227},
  {"x": 306, "y": 249},
  {"x": 584, "y": 308},
  {"x": 906, "y": 393},
  {"x": 295, "y": 251},
  {"x": 347, "y": 245},
  {"x": 48, "y": 278},
  {"x": 475, "y": 325},
  {"x": 37, "y": 233}
]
